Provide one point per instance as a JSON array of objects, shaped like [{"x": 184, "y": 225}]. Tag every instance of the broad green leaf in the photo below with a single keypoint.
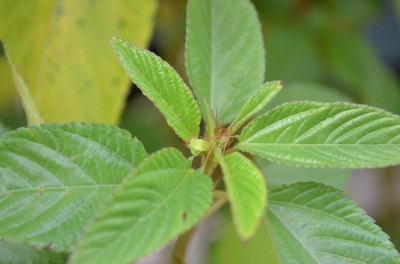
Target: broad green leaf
[
  {"x": 60, "y": 50},
  {"x": 224, "y": 54},
  {"x": 256, "y": 103},
  {"x": 163, "y": 86},
  {"x": 53, "y": 178},
  {"x": 164, "y": 198},
  {"x": 313, "y": 223},
  {"x": 12, "y": 253},
  {"x": 325, "y": 135},
  {"x": 228, "y": 248},
  {"x": 247, "y": 192}
]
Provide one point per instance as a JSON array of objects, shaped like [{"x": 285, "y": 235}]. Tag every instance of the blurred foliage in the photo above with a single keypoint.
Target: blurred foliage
[
  {"x": 228, "y": 248},
  {"x": 144, "y": 121},
  {"x": 60, "y": 50}
]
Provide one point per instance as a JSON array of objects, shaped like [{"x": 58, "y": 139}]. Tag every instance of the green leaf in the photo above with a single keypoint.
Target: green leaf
[
  {"x": 163, "y": 86},
  {"x": 247, "y": 192},
  {"x": 325, "y": 135},
  {"x": 60, "y": 50},
  {"x": 314, "y": 223},
  {"x": 163, "y": 199},
  {"x": 256, "y": 103},
  {"x": 53, "y": 178},
  {"x": 224, "y": 54},
  {"x": 12, "y": 253}
]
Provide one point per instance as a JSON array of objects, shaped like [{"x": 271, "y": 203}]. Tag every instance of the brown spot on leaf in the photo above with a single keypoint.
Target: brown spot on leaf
[
  {"x": 48, "y": 246},
  {"x": 184, "y": 216}
]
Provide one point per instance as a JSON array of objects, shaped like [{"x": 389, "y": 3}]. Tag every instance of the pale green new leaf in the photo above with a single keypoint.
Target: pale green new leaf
[
  {"x": 256, "y": 103},
  {"x": 53, "y": 178},
  {"x": 164, "y": 198},
  {"x": 163, "y": 86},
  {"x": 313, "y": 223},
  {"x": 224, "y": 54},
  {"x": 325, "y": 135},
  {"x": 247, "y": 192},
  {"x": 12, "y": 253}
]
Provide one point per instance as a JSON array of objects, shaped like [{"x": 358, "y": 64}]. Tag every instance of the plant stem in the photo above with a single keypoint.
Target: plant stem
[{"x": 178, "y": 256}]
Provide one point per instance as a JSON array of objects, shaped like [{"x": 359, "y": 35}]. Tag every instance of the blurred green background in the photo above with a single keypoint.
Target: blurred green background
[{"x": 61, "y": 64}]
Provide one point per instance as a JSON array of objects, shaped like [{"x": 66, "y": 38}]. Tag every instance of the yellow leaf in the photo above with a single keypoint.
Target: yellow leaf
[{"x": 61, "y": 51}]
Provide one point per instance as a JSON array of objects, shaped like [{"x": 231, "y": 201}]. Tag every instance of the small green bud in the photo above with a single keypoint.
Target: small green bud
[{"x": 198, "y": 146}]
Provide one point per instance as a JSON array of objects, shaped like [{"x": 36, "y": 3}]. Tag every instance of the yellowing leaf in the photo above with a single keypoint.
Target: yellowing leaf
[{"x": 61, "y": 51}]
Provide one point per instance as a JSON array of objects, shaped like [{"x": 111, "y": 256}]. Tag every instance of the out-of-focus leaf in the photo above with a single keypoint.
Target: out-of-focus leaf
[
  {"x": 317, "y": 134},
  {"x": 3, "y": 129},
  {"x": 291, "y": 55},
  {"x": 316, "y": 224},
  {"x": 61, "y": 51},
  {"x": 163, "y": 86},
  {"x": 145, "y": 122},
  {"x": 8, "y": 93},
  {"x": 229, "y": 248},
  {"x": 55, "y": 177},
  {"x": 224, "y": 54},
  {"x": 29, "y": 105},
  {"x": 308, "y": 91},
  {"x": 12, "y": 253},
  {"x": 279, "y": 174},
  {"x": 162, "y": 199},
  {"x": 358, "y": 68}
]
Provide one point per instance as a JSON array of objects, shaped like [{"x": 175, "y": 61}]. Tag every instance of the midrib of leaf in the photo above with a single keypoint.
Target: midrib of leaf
[
  {"x": 155, "y": 208},
  {"x": 293, "y": 234}
]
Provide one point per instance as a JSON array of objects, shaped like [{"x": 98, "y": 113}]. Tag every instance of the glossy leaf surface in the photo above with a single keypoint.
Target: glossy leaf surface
[
  {"x": 164, "y": 198},
  {"x": 53, "y": 178},
  {"x": 247, "y": 192},
  {"x": 325, "y": 135},
  {"x": 163, "y": 86},
  {"x": 224, "y": 54},
  {"x": 314, "y": 223}
]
